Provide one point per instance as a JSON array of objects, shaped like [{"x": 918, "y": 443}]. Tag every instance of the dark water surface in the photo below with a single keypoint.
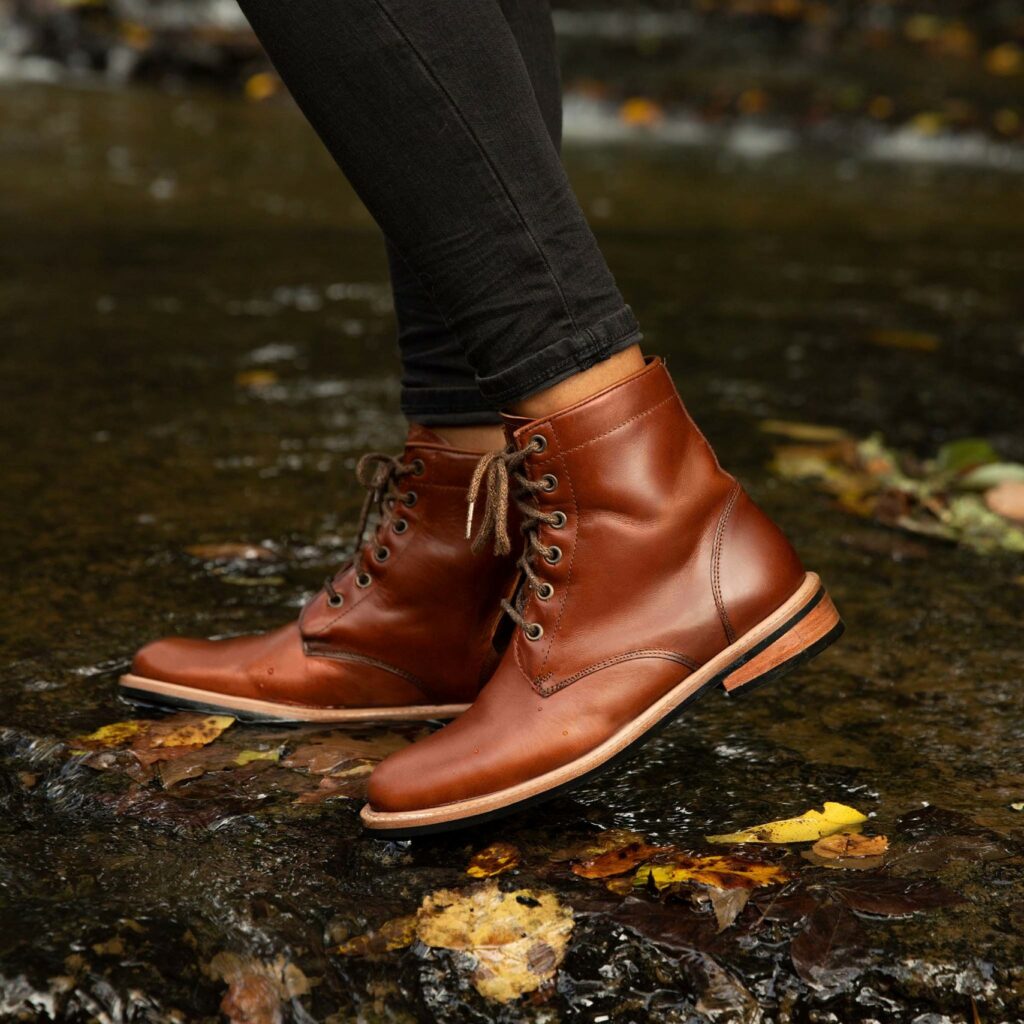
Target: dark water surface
[{"x": 155, "y": 248}]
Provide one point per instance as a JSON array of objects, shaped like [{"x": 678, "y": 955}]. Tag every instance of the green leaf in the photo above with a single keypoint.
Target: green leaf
[{"x": 965, "y": 454}]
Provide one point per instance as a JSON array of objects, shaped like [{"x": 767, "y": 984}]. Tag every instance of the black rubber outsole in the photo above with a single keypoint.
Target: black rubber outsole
[{"x": 413, "y": 832}]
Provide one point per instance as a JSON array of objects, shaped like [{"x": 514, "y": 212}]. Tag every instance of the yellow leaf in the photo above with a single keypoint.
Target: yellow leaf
[
  {"x": 493, "y": 860},
  {"x": 808, "y": 826},
  {"x": 919, "y": 341},
  {"x": 261, "y": 86},
  {"x": 723, "y": 872},
  {"x": 189, "y": 730},
  {"x": 256, "y": 379},
  {"x": 803, "y": 431},
  {"x": 1005, "y": 59},
  {"x": 248, "y": 756},
  {"x": 516, "y": 940},
  {"x": 108, "y": 737}
]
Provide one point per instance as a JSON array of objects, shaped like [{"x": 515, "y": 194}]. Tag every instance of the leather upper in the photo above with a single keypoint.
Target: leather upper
[
  {"x": 664, "y": 561},
  {"x": 419, "y": 633}
]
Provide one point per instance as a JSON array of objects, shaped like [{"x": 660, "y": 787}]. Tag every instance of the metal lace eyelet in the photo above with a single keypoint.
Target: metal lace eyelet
[
  {"x": 539, "y": 442},
  {"x": 549, "y": 481},
  {"x": 545, "y": 592},
  {"x": 382, "y": 554},
  {"x": 363, "y": 580},
  {"x": 559, "y": 520},
  {"x": 554, "y": 555},
  {"x": 409, "y": 499},
  {"x": 336, "y": 600},
  {"x": 400, "y": 525},
  {"x": 418, "y": 467},
  {"x": 534, "y": 631}
]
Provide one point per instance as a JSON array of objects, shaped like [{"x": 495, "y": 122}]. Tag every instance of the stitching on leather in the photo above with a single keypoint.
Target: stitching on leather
[
  {"x": 334, "y": 654},
  {"x": 716, "y": 567},
  {"x": 611, "y": 430},
  {"x": 546, "y": 691}
]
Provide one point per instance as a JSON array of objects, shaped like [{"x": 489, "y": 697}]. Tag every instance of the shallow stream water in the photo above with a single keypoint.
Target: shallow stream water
[{"x": 196, "y": 345}]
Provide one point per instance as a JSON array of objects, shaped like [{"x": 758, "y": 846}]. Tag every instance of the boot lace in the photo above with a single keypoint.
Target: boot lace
[
  {"x": 380, "y": 474},
  {"x": 500, "y": 475}
]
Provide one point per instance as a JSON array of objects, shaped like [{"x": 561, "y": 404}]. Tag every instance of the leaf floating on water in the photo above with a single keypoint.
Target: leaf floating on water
[
  {"x": 113, "y": 736},
  {"x": 325, "y": 753},
  {"x": 516, "y": 940},
  {"x": 810, "y": 825},
  {"x": 1017, "y": 806},
  {"x": 723, "y": 872},
  {"x": 394, "y": 934},
  {"x": 617, "y": 861},
  {"x": 848, "y": 845},
  {"x": 493, "y": 860},
  {"x": 187, "y": 730},
  {"x": 892, "y": 897},
  {"x": 803, "y": 431},
  {"x": 592, "y": 846},
  {"x": 831, "y": 951},
  {"x": 727, "y": 905}
]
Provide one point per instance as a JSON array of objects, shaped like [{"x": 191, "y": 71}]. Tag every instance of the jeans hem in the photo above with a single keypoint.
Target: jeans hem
[
  {"x": 447, "y": 406},
  {"x": 562, "y": 359}
]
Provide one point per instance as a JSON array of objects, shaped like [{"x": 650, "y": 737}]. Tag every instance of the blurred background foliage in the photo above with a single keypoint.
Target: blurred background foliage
[{"x": 816, "y": 66}]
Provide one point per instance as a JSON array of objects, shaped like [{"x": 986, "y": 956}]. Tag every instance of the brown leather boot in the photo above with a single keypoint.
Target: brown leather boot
[
  {"x": 402, "y": 632},
  {"x": 648, "y": 578}
]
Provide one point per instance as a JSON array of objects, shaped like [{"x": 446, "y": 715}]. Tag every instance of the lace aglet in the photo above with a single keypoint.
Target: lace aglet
[{"x": 469, "y": 520}]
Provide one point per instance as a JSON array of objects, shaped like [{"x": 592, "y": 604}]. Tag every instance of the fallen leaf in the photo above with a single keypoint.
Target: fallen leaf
[
  {"x": 723, "y": 872},
  {"x": 831, "y": 951},
  {"x": 965, "y": 454},
  {"x": 592, "y": 846},
  {"x": 326, "y": 753},
  {"x": 256, "y": 988},
  {"x": 616, "y": 861},
  {"x": 493, "y": 860},
  {"x": 803, "y": 431},
  {"x": 187, "y": 730},
  {"x": 918, "y": 341},
  {"x": 111, "y": 737},
  {"x": 515, "y": 940},
  {"x": 394, "y": 934},
  {"x": 983, "y": 477},
  {"x": 671, "y": 926},
  {"x": 727, "y": 905},
  {"x": 350, "y": 785},
  {"x": 810, "y": 825},
  {"x": 1007, "y": 500},
  {"x": 193, "y": 764},
  {"x": 892, "y": 897},
  {"x": 1017, "y": 806},
  {"x": 256, "y": 379},
  {"x": 846, "y": 845}
]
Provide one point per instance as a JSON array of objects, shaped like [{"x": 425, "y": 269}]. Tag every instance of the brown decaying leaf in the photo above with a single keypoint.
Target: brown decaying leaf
[
  {"x": 831, "y": 951},
  {"x": 493, "y": 860},
  {"x": 152, "y": 740},
  {"x": 617, "y": 861},
  {"x": 849, "y": 846},
  {"x": 892, "y": 897},
  {"x": 256, "y": 988},
  {"x": 727, "y": 905},
  {"x": 326, "y": 753},
  {"x": 592, "y": 846}
]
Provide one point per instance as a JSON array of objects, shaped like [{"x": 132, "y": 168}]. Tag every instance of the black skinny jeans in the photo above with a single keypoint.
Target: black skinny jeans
[{"x": 445, "y": 115}]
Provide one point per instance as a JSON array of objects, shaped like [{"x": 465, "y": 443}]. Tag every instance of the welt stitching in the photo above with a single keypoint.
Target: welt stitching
[
  {"x": 716, "y": 564},
  {"x": 483, "y": 153},
  {"x": 682, "y": 659}
]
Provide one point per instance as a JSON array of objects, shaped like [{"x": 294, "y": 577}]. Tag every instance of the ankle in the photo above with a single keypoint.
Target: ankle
[
  {"x": 477, "y": 437},
  {"x": 582, "y": 385}
]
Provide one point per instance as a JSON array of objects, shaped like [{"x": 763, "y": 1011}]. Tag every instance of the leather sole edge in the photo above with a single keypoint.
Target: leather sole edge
[
  {"x": 804, "y": 605},
  {"x": 161, "y": 694}
]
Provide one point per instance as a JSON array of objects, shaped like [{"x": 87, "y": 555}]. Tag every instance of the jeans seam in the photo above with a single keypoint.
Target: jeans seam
[{"x": 487, "y": 159}]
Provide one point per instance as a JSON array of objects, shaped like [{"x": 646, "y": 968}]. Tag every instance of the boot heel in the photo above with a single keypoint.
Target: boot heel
[{"x": 805, "y": 634}]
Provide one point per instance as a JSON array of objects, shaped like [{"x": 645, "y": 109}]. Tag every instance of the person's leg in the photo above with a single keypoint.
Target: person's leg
[
  {"x": 431, "y": 114},
  {"x": 438, "y": 384}
]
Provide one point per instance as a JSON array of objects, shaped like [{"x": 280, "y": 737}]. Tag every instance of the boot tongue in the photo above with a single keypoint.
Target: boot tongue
[
  {"x": 419, "y": 434},
  {"x": 513, "y": 424}
]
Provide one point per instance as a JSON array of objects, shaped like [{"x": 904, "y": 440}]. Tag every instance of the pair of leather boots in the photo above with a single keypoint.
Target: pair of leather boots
[{"x": 617, "y": 573}]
